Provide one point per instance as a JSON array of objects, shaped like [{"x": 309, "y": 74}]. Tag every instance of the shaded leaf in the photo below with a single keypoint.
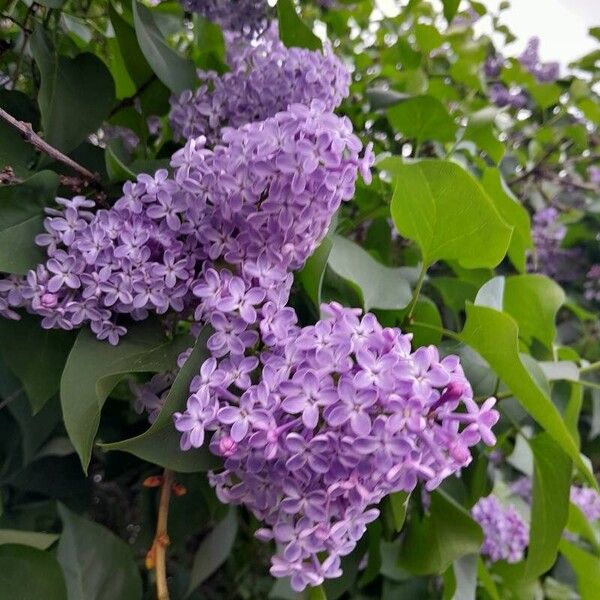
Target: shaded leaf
[
  {"x": 292, "y": 30},
  {"x": 97, "y": 564},
  {"x": 94, "y": 368},
  {"x": 160, "y": 443},
  {"x": 35, "y": 539}
]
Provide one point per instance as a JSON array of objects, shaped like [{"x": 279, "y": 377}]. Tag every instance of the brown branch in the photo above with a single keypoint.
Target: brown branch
[
  {"x": 157, "y": 557},
  {"x": 539, "y": 162},
  {"x": 17, "y": 23},
  {"x": 35, "y": 140},
  {"x": 130, "y": 100}
]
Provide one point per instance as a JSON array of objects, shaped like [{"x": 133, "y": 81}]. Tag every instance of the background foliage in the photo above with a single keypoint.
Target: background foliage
[{"x": 441, "y": 245}]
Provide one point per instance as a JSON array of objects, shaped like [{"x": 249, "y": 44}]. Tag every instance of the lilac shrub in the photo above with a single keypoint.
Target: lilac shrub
[
  {"x": 246, "y": 16},
  {"x": 265, "y": 78},
  {"x": 505, "y": 534},
  {"x": 550, "y": 258},
  {"x": 317, "y": 424},
  {"x": 260, "y": 203}
]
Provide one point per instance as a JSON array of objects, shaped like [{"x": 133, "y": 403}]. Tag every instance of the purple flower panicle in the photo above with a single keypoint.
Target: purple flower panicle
[
  {"x": 317, "y": 424},
  {"x": 506, "y": 535},
  {"x": 246, "y": 16},
  {"x": 587, "y": 500}
]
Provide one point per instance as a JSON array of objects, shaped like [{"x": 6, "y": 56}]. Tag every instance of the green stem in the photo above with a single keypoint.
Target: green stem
[
  {"x": 417, "y": 291},
  {"x": 595, "y": 366}
]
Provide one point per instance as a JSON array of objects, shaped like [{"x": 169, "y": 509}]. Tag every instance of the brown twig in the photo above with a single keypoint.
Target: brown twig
[
  {"x": 35, "y": 140},
  {"x": 17, "y": 23},
  {"x": 539, "y": 162},
  {"x": 157, "y": 557}
]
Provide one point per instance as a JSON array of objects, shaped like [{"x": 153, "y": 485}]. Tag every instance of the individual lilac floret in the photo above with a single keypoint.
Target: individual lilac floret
[
  {"x": 505, "y": 534},
  {"x": 342, "y": 413},
  {"x": 246, "y": 16},
  {"x": 265, "y": 78},
  {"x": 550, "y": 258},
  {"x": 587, "y": 500},
  {"x": 150, "y": 397},
  {"x": 592, "y": 284},
  {"x": 501, "y": 96},
  {"x": 530, "y": 59},
  {"x": 128, "y": 138},
  {"x": 260, "y": 202}
]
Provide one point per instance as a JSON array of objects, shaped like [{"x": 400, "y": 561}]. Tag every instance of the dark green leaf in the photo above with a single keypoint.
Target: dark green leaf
[
  {"x": 450, "y": 8},
  {"x": 441, "y": 207},
  {"x": 434, "y": 542},
  {"x": 160, "y": 443},
  {"x": 27, "y": 573},
  {"x": 96, "y": 563},
  {"x": 21, "y": 217},
  {"x": 68, "y": 85},
  {"x": 422, "y": 118},
  {"x": 36, "y": 356},
  {"x": 586, "y": 567},
  {"x": 292, "y": 30},
  {"x": 213, "y": 550},
  {"x": 311, "y": 276},
  {"x": 175, "y": 71},
  {"x": 381, "y": 98},
  {"x": 94, "y": 368},
  {"x": 480, "y": 129},
  {"x": 550, "y": 505}
]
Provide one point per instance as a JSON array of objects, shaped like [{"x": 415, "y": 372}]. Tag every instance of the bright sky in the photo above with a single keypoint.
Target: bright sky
[{"x": 560, "y": 24}]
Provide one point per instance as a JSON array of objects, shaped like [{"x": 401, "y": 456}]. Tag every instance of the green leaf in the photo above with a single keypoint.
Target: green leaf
[
  {"x": 35, "y": 355},
  {"x": 579, "y": 524},
  {"x": 550, "y": 505},
  {"x": 513, "y": 213},
  {"x": 117, "y": 170},
  {"x": 463, "y": 578},
  {"x": 97, "y": 564},
  {"x": 312, "y": 274},
  {"x": 28, "y": 573},
  {"x": 399, "y": 504},
  {"x": 382, "y": 98},
  {"x": 380, "y": 286},
  {"x": 494, "y": 335},
  {"x": 450, "y": 8},
  {"x": 136, "y": 64},
  {"x": 68, "y": 85},
  {"x": 480, "y": 129},
  {"x": 15, "y": 152},
  {"x": 35, "y": 539},
  {"x": 160, "y": 443},
  {"x": 430, "y": 332},
  {"x": 21, "y": 219},
  {"x": 434, "y": 542},
  {"x": 292, "y": 30},
  {"x": 213, "y": 550},
  {"x": 455, "y": 292},
  {"x": 316, "y": 593},
  {"x": 422, "y": 118},
  {"x": 586, "y": 567},
  {"x": 94, "y": 368},
  {"x": 532, "y": 300},
  {"x": 175, "y": 71},
  {"x": 428, "y": 37},
  {"x": 441, "y": 207}
]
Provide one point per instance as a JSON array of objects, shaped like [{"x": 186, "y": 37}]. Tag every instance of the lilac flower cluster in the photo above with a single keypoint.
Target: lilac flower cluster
[
  {"x": 592, "y": 284},
  {"x": 506, "y": 535},
  {"x": 246, "y": 16},
  {"x": 501, "y": 96},
  {"x": 128, "y": 138},
  {"x": 493, "y": 65},
  {"x": 550, "y": 258},
  {"x": 343, "y": 414},
  {"x": 260, "y": 203},
  {"x": 587, "y": 500},
  {"x": 530, "y": 59},
  {"x": 265, "y": 78}
]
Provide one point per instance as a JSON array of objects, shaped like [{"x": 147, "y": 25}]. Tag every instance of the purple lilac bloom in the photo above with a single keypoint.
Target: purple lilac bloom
[
  {"x": 260, "y": 202},
  {"x": 594, "y": 174},
  {"x": 587, "y": 500},
  {"x": 246, "y": 16},
  {"x": 344, "y": 413},
  {"x": 506, "y": 535},
  {"x": 592, "y": 284},
  {"x": 530, "y": 59},
  {"x": 493, "y": 65},
  {"x": 501, "y": 96},
  {"x": 265, "y": 78},
  {"x": 550, "y": 258},
  {"x": 523, "y": 488}
]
